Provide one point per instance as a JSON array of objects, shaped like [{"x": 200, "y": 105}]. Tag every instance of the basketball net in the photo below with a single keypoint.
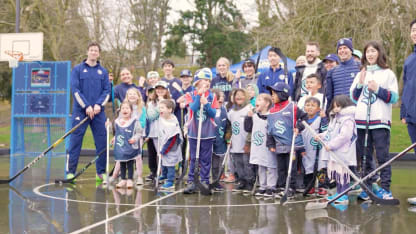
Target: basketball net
[{"x": 14, "y": 58}]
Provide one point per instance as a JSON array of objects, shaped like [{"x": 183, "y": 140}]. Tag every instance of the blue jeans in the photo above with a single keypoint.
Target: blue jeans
[{"x": 169, "y": 173}]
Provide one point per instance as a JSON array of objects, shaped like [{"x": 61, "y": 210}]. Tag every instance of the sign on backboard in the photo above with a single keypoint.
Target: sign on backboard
[{"x": 22, "y": 46}]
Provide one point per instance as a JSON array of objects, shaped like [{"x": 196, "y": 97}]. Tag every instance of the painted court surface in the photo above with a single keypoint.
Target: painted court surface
[{"x": 85, "y": 207}]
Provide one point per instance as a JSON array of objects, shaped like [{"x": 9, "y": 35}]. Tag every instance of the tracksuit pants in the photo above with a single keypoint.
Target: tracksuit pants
[
  {"x": 205, "y": 154},
  {"x": 97, "y": 125}
]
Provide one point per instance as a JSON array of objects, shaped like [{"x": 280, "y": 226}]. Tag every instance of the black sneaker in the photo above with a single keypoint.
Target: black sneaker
[
  {"x": 260, "y": 192},
  {"x": 269, "y": 193},
  {"x": 239, "y": 188},
  {"x": 248, "y": 188},
  {"x": 150, "y": 177},
  {"x": 218, "y": 187},
  {"x": 190, "y": 188}
]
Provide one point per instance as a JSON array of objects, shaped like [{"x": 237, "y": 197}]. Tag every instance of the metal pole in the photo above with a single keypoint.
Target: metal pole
[{"x": 17, "y": 25}]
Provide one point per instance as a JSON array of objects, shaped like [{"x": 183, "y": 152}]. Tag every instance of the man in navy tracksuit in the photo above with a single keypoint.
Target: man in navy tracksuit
[
  {"x": 408, "y": 107},
  {"x": 275, "y": 73},
  {"x": 91, "y": 91},
  {"x": 340, "y": 78}
]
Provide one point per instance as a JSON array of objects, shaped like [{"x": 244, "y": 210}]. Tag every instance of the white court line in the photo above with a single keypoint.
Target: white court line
[
  {"x": 277, "y": 202},
  {"x": 124, "y": 213}
]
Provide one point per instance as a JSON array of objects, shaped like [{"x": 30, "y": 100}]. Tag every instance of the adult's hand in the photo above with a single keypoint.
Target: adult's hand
[
  {"x": 89, "y": 112},
  {"x": 372, "y": 85},
  {"x": 404, "y": 121},
  {"x": 97, "y": 109}
]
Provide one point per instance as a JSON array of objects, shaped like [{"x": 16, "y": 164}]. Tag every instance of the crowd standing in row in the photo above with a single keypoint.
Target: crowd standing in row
[{"x": 346, "y": 98}]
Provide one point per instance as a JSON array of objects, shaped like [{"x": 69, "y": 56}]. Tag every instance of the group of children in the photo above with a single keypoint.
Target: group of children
[{"x": 256, "y": 130}]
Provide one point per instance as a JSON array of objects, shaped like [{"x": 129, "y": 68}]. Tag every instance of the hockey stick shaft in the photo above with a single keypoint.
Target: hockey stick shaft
[{"x": 57, "y": 142}]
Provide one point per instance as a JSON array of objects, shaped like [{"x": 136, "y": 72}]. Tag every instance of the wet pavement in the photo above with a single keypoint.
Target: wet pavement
[{"x": 30, "y": 207}]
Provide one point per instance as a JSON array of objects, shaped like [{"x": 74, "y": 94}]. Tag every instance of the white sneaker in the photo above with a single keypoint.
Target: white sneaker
[
  {"x": 412, "y": 200},
  {"x": 139, "y": 181}
]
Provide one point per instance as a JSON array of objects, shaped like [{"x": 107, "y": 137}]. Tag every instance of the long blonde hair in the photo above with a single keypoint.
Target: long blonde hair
[
  {"x": 229, "y": 76},
  {"x": 139, "y": 100}
]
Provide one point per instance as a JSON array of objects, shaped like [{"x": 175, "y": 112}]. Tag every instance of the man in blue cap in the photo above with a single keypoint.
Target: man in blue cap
[{"x": 330, "y": 61}]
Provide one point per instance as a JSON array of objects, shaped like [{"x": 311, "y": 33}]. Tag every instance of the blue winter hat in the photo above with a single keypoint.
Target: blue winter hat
[
  {"x": 331, "y": 57},
  {"x": 345, "y": 42},
  {"x": 186, "y": 72},
  {"x": 203, "y": 74},
  {"x": 279, "y": 87}
]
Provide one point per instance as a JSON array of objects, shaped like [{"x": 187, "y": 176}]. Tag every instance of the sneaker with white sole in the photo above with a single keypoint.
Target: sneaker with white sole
[
  {"x": 342, "y": 200},
  {"x": 139, "y": 181},
  {"x": 384, "y": 194},
  {"x": 412, "y": 200},
  {"x": 363, "y": 196}
]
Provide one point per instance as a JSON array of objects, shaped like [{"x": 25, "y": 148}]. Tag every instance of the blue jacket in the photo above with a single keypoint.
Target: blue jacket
[
  {"x": 340, "y": 78},
  {"x": 408, "y": 107},
  {"x": 270, "y": 77},
  {"x": 89, "y": 86},
  {"x": 208, "y": 115},
  {"x": 121, "y": 89},
  {"x": 222, "y": 84},
  {"x": 175, "y": 93}
]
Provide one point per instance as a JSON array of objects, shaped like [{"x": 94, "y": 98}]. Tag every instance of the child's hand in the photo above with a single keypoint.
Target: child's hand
[
  {"x": 238, "y": 74},
  {"x": 112, "y": 140},
  {"x": 142, "y": 80},
  {"x": 182, "y": 105},
  {"x": 107, "y": 123},
  {"x": 372, "y": 85},
  {"x": 295, "y": 131},
  {"x": 272, "y": 150},
  {"x": 317, "y": 138},
  {"x": 327, "y": 148},
  {"x": 322, "y": 114},
  {"x": 203, "y": 100},
  {"x": 303, "y": 154},
  {"x": 250, "y": 113},
  {"x": 132, "y": 141},
  {"x": 246, "y": 149}
]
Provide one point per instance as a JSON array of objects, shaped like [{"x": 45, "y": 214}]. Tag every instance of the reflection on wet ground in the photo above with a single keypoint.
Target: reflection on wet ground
[{"x": 50, "y": 208}]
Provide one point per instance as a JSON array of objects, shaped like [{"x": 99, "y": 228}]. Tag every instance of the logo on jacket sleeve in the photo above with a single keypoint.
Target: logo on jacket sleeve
[{"x": 99, "y": 72}]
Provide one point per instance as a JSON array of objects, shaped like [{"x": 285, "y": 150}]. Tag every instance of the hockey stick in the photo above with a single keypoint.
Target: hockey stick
[
  {"x": 367, "y": 123},
  {"x": 107, "y": 168},
  {"x": 64, "y": 181},
  {"x": 32, "y": 206},
  {"x": 159, "y": 166},
  {"x": 218, "y": 177},
  {"x": 184, "y": 165},
  {"x": 377, "y": 200},
  {"x": 204, "y": 188},
  {"x": 292, "y": 156},
  {"x": 44, "y": 152}
]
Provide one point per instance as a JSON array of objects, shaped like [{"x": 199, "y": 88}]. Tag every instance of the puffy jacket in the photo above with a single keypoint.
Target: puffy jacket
[{"x": 408, "y": 107}]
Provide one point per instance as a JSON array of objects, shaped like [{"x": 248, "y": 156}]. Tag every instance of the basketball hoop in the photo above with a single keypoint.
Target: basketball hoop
[{"x": 14, "y": 58}]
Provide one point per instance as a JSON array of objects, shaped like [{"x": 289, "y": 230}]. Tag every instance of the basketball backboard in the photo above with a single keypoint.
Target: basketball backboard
[{"x": 22, "y": 46}]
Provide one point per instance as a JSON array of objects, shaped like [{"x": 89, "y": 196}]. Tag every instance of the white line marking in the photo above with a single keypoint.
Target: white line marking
[
  {"x": 277, "y": 202},
  {"x": 124, "y": 213}
]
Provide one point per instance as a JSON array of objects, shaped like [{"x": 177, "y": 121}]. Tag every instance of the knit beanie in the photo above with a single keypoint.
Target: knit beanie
[{"x": 345, "y": 42}]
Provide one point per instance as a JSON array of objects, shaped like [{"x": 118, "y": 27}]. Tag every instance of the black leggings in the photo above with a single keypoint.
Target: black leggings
[
  {"x": 127, "y": 166},
  {"x": 152, "y": 154}
]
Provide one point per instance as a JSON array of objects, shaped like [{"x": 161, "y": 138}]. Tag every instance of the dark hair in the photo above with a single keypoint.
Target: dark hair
[
  {"x": 413, "y": 22},
  {"x": 275, "y": 50},
  {"x": 283, "y": 96},
  {"x": 168, "y": 61},
  {"x": 169, "y": 103},
  {"x": 341, "y": 101},
  {"x": 314, "y": 75},
  {"x": 313, "y": 43},
  {"x": 126, "y": 102},
  {"x": 381, "y": 59},
  {"x": 91, "y": 44},
  {"x": 313, "y": 99}
]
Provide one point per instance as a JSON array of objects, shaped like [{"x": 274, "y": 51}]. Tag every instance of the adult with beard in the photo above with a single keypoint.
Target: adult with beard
[
  {"x": 313, "y": 65},
  {"x": 340, "y": 78}
]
